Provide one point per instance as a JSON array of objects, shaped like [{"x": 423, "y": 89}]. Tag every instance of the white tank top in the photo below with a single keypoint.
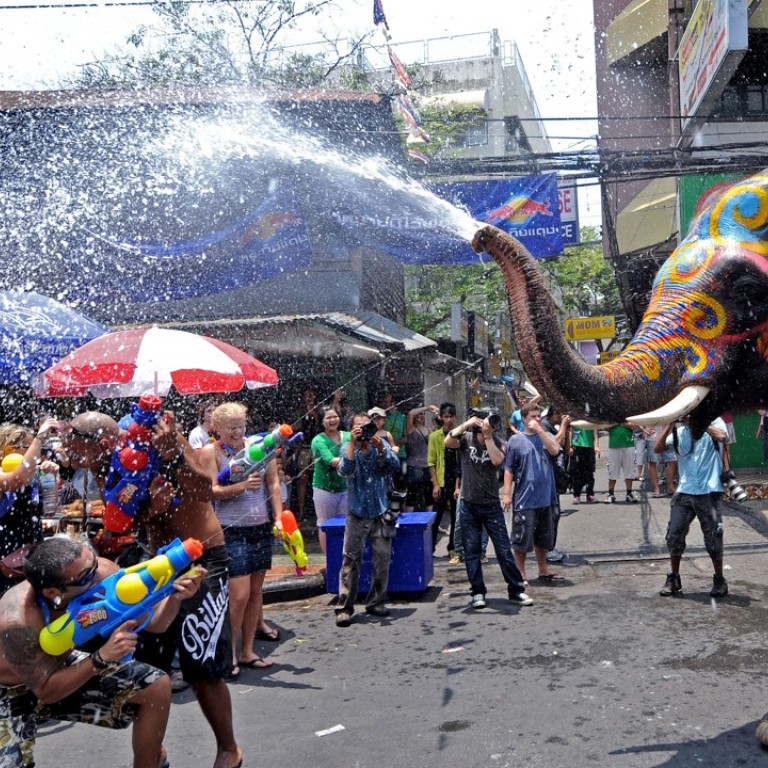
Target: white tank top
[{"x": 245, "y": 509}]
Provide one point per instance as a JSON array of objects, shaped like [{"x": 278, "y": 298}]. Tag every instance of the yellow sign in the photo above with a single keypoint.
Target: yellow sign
[
  {"x": 606, "y": 357},
  {"x": 583, "y": 328}
]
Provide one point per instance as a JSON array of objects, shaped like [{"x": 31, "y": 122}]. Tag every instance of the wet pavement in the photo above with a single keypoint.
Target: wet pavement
[{"x": 601, "y": 671}]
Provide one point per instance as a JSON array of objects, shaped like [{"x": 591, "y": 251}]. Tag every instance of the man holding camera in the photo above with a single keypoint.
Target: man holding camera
[
  {"x": 481, "y": 454},
  {"x": 366, "y": 461},
  {"x": 700, "y": 466}
]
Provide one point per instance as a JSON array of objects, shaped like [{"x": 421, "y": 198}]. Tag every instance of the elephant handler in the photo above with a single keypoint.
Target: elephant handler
[
  {"x": 698, "y": 495},
  {"x": 97, "y": 689}
]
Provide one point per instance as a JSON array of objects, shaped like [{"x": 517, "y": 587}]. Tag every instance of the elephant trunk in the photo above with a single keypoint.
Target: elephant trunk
[{"x": 607, "y": 393}]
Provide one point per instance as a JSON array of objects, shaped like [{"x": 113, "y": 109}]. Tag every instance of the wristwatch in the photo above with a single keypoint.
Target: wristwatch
[{"x": 97, "y": 661}]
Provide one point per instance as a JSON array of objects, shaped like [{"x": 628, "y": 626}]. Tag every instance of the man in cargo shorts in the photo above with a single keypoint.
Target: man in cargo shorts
[{"x": 96, "y": 688}]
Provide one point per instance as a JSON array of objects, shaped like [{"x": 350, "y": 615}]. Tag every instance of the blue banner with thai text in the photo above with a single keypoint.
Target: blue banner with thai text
[
  {"x": 526, "y": 208},
  {"x": 434, "y": 224}
]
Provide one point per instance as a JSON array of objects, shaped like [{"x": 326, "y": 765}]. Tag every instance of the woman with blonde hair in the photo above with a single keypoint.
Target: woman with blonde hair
[{"x": 244, "y": 515}]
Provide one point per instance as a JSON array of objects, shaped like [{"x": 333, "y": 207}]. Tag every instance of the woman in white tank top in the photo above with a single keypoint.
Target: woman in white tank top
[{"x": 245, "y": 517}]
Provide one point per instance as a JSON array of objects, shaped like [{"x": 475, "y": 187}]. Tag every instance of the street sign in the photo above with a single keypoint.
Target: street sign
[
  {"x": 583, "y": 328},
  {"x": 606, "y": 357}
]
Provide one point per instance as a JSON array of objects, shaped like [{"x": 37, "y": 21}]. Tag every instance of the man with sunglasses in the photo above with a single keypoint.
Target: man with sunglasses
[
  {"x": 201, "y": 632},
  {"x": 95, "y": 688}
]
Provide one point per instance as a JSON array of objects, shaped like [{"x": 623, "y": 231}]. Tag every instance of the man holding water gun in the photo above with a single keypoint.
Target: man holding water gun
[
  {"x": 201, "y": 632},
  {"x": 96, "y": 688}
]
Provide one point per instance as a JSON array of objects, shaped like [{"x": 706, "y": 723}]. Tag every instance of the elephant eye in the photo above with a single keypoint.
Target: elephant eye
[{"x": 742, "y": 288}]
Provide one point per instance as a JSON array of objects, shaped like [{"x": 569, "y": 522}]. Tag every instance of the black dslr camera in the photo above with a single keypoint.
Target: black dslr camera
[
  {"x": 368, "y": 431},
  {"x": 493, "y": 418},
  {"x": 735, "y": 491}
]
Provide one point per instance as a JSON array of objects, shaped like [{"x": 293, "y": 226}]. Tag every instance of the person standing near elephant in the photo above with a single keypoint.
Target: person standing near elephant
[
  {"x": 535, "y": 510},
  {"x": 443, "y": 470},
  {"x": 481, "y": 454},
  {"x": 698, "y": 496},
  {"x": 621, "y": 460},
  {"x": 585, "y": 446}
]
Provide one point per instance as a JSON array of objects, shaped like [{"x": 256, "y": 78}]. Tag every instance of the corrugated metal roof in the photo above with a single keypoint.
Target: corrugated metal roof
[{"x": 369, "y": 326}]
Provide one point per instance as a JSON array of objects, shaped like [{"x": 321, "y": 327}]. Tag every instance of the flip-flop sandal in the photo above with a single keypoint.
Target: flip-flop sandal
[
  {"x": 551, "y": 577},
  {"x": 257, "y": 663},
  {"x": 272, "y": 636},
  {"x": 233, "y": 676}
]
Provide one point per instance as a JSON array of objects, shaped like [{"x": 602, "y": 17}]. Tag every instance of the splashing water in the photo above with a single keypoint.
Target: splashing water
[
  {"x": 219, "y": 141},
  {"x": 91, "y": 199}
]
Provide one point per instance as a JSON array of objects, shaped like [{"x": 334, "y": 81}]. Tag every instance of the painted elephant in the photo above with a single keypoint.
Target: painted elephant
[{"x": 702, "y": 345}]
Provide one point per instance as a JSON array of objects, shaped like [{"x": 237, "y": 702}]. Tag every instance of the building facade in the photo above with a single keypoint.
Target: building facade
[{"x": 682, "y": 93}]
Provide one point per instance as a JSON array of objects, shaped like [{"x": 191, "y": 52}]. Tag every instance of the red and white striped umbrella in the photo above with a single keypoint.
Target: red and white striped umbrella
[{"x": 150, "y": 360}]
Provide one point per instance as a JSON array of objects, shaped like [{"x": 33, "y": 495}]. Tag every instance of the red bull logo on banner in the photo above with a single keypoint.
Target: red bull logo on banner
[
  {"x": 527, "y": 207},
  {"x": 519, "y": 210},
  {"x": 266, "y": 227}
]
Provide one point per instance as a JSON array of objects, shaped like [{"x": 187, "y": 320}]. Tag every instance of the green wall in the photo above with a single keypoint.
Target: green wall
[
  {"x": 692, "y": 188},
  {"x": 747, "y": 452}
]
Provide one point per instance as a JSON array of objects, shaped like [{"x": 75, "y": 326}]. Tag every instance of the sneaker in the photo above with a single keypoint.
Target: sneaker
[
  {"x": 672, "y": 586},
  {"x": 478, "y": 602},
  {"x": 555, "y": 556},
  {"x": 484, "y": 560},
  {"x": 520, "y": 599},
  {"x": 590, "y": 499},
  {"x": 611, "y": 498},
  {"x": 456, "y": 560},
  {"x": 631, "y": 498},
  {"x": 719, "y": 587},
  {"x": 575, "y": 500}
]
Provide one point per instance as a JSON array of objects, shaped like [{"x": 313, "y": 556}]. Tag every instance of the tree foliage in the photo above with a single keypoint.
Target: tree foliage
[
  {"x": 226, "y": 42},
  {"x": 582, "y": 283},
  {"x": 585, "y": 281}
]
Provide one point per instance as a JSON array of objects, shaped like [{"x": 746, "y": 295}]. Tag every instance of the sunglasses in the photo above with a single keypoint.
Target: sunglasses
[
  {"x": 75, "y": 432},
  {"x": 86, "y": 578}
]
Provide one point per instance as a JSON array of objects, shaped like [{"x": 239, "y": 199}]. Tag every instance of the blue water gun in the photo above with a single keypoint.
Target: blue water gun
[
  {"x": 134, "y": 466},
  {"x": 257, "y": 454},
  {"x": 128, "y": 594}
]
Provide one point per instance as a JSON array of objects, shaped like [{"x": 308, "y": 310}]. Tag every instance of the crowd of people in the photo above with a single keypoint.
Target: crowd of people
[{"x": 366, "y": 466}]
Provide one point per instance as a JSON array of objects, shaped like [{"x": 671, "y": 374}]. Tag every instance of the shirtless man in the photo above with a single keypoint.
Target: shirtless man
[
  {"x": 75, "y": 686},
  {"x": 204, "y": 621}
]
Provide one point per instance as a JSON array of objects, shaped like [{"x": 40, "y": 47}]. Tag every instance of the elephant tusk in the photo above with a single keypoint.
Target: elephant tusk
[
  {"x": 680, "y": 405},
  {"x": 530, "y": 389},
  {"x": 584, "y": 424}
]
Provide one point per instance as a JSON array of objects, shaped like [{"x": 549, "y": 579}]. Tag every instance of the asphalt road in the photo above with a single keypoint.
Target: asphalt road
[{"x": 601, "y": 671}]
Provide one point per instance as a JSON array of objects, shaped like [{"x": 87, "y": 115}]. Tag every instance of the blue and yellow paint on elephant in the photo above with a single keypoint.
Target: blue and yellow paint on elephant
[{"x": 685, "y": 326}]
